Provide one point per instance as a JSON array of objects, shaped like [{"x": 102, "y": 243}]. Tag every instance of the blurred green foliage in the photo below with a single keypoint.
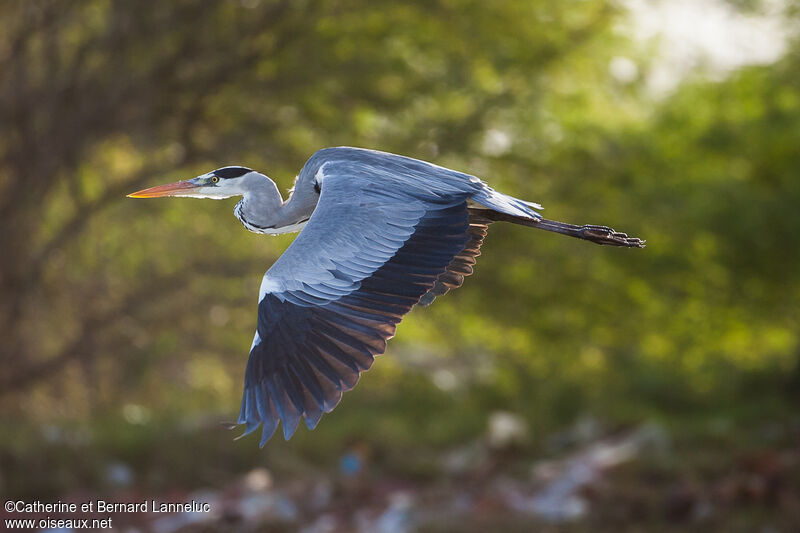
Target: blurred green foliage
[{"x": 130, "y": 314}]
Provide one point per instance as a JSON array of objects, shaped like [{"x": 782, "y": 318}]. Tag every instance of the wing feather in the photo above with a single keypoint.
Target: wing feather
[
  {"x": 380, "y": 238},
  {"x": 461, "y": 265}
]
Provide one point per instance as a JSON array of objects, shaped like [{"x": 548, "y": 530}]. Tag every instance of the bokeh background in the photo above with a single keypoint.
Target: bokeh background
[{"x": 565, "y": 387}]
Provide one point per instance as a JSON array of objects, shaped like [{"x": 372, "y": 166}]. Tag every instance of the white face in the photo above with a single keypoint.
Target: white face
[
  {"x": 214, "y": 186},
  {"x": 218, "y": 184}
]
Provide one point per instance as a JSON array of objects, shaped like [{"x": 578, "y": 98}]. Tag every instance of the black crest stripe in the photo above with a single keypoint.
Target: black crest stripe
[{"x": 231, "y": 172}]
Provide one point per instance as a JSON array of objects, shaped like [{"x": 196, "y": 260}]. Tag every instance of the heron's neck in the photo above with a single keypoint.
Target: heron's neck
[{"x": 262, "y": 210}]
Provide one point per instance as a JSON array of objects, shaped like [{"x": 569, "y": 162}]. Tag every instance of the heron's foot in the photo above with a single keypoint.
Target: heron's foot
[{"x": 607, "y": 236}]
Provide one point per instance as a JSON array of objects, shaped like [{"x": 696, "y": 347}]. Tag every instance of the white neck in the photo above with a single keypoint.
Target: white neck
[{"x": 262, "y": 209}]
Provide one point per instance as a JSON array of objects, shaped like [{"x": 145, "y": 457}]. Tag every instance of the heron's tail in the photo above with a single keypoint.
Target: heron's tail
[
  {"x": 587, "y": 232},
  {"x": 505, "y": 204}
]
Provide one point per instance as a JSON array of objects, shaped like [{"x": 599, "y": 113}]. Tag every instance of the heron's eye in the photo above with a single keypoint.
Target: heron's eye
[{"x": 214, "y": 179}]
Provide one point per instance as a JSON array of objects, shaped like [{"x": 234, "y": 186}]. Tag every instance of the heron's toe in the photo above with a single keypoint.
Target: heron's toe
[{"x": 608, "y": 236}]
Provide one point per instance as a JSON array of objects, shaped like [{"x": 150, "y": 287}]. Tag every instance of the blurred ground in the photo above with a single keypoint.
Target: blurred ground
[{"x": 587, "y": 477}]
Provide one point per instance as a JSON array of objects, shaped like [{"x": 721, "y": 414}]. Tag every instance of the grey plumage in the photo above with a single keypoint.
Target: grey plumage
[{"x": 380, "y": 233}]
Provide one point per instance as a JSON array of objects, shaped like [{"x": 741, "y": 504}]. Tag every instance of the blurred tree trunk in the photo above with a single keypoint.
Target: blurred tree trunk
[{"x": 71, "y": 75}]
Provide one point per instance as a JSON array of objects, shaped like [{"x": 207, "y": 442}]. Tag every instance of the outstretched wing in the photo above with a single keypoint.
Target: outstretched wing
[{"x": 379, "y": 239}]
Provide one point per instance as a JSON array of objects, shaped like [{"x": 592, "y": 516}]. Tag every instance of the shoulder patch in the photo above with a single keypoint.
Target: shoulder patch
[{"x": 319, "y": 177}]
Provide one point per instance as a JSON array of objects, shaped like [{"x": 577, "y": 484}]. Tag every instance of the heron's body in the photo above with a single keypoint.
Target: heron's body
[{"x": 380, "y": 233}]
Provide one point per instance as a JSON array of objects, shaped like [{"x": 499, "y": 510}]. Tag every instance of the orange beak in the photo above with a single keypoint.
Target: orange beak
[{"x": 170, "y": 189}]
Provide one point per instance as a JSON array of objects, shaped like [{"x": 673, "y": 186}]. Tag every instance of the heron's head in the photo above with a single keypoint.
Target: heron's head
[{"x": 217, "y": 184}]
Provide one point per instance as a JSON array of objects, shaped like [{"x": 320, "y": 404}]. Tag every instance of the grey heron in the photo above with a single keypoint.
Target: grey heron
[{"x": 380, "y": 233}]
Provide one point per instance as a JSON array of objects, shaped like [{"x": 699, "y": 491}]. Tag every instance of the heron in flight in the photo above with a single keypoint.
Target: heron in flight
[{"x": 380, "y": 234}]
